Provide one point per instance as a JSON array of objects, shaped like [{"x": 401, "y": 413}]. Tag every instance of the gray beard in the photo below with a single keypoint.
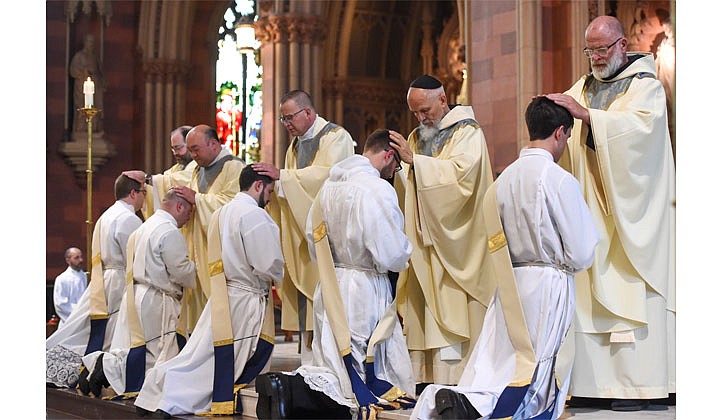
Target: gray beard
[
  {"x": 614, "y": 63},
  {"x": 426, "y": 134}
]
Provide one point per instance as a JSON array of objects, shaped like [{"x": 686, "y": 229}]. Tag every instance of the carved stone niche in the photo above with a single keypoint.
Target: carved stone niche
[{"x": 75, "y": 153}]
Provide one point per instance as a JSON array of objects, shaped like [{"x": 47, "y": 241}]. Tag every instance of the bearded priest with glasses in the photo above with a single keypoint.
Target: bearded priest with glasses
[{"x": 620, "y": 151}]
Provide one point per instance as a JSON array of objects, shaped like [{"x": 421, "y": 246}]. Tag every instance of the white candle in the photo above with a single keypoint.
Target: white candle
[{"x": 88, "y": 90}]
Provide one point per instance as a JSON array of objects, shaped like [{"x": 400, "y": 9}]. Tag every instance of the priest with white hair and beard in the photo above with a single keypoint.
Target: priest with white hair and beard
[
  {"x": 620, "y": 152},
  {"x": 444, "y": 294}
]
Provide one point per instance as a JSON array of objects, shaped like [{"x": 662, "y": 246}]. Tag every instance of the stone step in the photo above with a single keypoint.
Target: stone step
[
  {"x": 71, "y": 404},
  {"x": 65, "y": 403}
]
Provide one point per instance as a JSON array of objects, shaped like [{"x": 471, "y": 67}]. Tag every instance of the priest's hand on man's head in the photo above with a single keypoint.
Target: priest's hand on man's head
[
  {"x": 568, "y": 102},
  {"x": 267, "y": 169},
  {"x": 399, "y": 143},
  {"x": 185, "y": 192},
  {"x": 136, "y": 175}
]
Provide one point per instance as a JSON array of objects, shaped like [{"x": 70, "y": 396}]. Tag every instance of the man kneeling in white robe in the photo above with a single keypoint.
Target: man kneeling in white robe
[
  {"x": 92, "y": 323},
  {"x": 514, "y": 370},
  {"x": 158, "y": 268},
  {"x": 249, "y": 242},
  {"x": 357, "y": 211}
]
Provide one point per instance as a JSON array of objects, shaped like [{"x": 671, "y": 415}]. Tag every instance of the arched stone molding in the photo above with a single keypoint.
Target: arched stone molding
[{"x": 164, "y": 47}]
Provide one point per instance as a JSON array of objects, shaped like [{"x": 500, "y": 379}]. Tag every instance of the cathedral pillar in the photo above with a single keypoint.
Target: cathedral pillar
[
  {"x": 289, "y": 55},
  {"x": 164, "y": 98},
  {"x": 165, "y": 66},
  {"x": 530, "y": 76}
]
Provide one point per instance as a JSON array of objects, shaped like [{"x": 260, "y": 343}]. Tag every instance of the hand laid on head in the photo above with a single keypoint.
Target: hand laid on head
[
  {"x": 401, "y": 145},
  {"x": 267, "y": 169},
  {"x": 568, "y": 102},
  {"x": 185, "y": 192},
  {"x": 136, "y": 175}
]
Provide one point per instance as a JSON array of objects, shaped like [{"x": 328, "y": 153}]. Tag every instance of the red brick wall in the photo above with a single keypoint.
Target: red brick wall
[{"x": 65, "y": 195}]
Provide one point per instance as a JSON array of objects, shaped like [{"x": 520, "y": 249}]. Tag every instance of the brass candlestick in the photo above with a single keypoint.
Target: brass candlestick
[{"x": 89, "y": 113}]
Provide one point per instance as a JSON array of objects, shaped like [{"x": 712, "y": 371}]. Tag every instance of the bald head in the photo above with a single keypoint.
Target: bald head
[
  {"x": 607, "y": 25},
  {"x": 178, "y": 207},
  {"x": 606, "y": 46},
  {"x": 73, "y": 258},
  {"x": 203, "y": 144}
]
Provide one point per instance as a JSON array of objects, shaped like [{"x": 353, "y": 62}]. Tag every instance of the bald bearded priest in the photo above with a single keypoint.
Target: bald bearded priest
[{"x": 444, "y": 294}]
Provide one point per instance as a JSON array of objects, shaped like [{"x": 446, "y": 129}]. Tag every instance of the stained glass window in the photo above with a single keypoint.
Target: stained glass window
[{"x": 238, "y": 84}]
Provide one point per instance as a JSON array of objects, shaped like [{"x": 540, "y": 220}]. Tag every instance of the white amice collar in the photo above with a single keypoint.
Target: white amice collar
[
  {"x": 310, "y": 133},
  {"x": 224, "y": 151}
]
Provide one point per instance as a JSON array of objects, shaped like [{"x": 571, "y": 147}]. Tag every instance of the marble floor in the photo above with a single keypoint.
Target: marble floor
[{"x": 286, "y": 357}]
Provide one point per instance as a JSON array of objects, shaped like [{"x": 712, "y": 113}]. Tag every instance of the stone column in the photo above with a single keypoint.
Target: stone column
[
  {"x": 529, "y": 61},
  {"x": 164, "y": 96},
  {"x": 288, "y": 53}
]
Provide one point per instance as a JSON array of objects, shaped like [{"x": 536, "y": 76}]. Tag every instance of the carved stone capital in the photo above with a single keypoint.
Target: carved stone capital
[
  {"x": 164, "y": 70},
  {"x": 334, "y": 88},
  {"x": 303, "y": 29},
  {"x": 365, "y": 91},
  {"x": 75, "y": 153}
]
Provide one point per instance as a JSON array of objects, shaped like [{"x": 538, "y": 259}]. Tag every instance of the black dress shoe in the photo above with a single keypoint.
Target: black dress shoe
[
  {"x": 274, "y": 400},
  {"x": 451, "y": 405},
  {"x": 97, "y": 379},
  {"x": 589, "y": 402},
  {"x": 141, "y": 412},
  {"x": 669, "y": 400},
  {"x": 629, "y": 405},
  {"x": 162, "y": 414},
  {"x": 83, "y": 383}
]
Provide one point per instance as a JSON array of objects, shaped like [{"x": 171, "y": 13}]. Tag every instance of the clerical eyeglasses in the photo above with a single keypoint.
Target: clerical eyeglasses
[
  {"x": 290, "y": 117},
  {"x": 602, "y": 51}
]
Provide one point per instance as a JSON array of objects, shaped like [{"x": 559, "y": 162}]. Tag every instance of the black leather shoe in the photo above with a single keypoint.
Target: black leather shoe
[
  {"x": 141, "y": 412},
  {"x": 451, "y": 405},
  {"x": 629, "y": 405},
  {"x": 161, "y": 414},
  {"x": 83, "y": 383},
  {"x": 589, "y": 402},
  {"x": 670, "y": 400},
  {"x": 274, "y": 400},
  {"x": 97, "y": 379}
]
